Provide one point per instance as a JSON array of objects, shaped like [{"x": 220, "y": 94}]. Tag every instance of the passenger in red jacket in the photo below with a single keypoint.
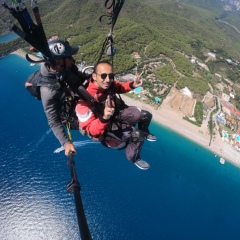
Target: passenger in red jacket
[{"x": 113, "y": 122}]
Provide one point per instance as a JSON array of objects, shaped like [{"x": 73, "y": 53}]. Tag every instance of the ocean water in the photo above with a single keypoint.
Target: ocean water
[
  {"x": 186, "y": 194},
  {"x": 8, "y": 37}
]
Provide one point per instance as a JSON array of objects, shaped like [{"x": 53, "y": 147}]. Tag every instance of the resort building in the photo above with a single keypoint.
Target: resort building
[
  {"x": 212, "y": 55},
  {"x": 225, "y": 97},
  {"x": 232, "y": 95},
  {"x": 229, "y": 60},
  {"x": 226, "y": 107},
  {"x": 221, "y": 118}
]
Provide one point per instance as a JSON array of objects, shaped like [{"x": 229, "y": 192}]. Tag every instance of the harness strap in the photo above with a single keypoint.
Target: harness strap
[
  {"x": 34, "y": 61},
  {"x": 68, "y": 131},
  {"x": 32, "y": 33},
  {"x": 67, "y": 116},
  {"x": 112, "y": 16}
]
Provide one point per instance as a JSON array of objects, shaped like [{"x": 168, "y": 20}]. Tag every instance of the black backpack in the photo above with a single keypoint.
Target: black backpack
[
  {"x": 34, "y": 89},
  {"x": 68, "y": 107}
]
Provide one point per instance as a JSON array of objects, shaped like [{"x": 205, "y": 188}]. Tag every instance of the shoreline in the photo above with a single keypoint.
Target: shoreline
[
  {"x": 22, "y": 54},
  {"x": 168, "y": 117}
]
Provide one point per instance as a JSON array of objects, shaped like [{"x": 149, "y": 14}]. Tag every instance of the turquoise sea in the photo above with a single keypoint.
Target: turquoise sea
[
  {"x": 8, "y": 37},
  {"x": 186, "y": 194}
]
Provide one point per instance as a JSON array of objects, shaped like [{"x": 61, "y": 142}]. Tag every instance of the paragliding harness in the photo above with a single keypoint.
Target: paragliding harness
[
  {"x": 73, "y": 91},
  {"x": 68, "y": 99},
  {"x": 113, "y": 137},
  {"x": 68, "y": 104}
]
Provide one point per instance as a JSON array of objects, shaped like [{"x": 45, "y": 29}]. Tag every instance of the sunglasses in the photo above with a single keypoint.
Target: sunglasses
[{"x": 104, "y": 75}]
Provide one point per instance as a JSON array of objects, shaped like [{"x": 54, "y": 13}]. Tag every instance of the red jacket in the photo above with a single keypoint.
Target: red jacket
[{"x": 87, "y": 120}]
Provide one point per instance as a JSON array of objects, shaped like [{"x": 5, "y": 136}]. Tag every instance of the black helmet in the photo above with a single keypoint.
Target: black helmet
[{"x": 61, "y": 49}]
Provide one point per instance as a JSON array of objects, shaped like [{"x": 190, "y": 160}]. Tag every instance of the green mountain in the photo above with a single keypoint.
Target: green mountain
[{"x": 149, "y": 27}]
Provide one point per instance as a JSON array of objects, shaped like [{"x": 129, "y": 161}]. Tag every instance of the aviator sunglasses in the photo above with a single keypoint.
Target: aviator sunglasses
[{"x": 104, "y": 75}]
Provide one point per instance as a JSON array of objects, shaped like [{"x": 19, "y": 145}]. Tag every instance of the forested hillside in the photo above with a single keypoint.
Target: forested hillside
[{"x": 148, "y": 27}]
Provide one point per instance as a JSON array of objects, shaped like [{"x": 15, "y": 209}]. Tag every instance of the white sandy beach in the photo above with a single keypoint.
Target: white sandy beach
[
  {"x": 172, "y": 119},
  {"x": 21, "y": 53}
]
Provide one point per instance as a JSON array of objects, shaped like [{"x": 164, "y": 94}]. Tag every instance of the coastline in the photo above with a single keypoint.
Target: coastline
[
  {"x": 21, "y": 53},
  {"x": 173, "y": 120}
]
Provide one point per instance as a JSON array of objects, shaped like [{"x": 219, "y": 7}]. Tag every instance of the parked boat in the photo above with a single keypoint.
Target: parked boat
[{"x": 222, "y": 160}]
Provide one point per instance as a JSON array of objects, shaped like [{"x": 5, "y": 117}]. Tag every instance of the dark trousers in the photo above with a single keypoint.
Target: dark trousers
[
  {"x": 134, "y": 115},
  {"x": 121, "y": 129}
]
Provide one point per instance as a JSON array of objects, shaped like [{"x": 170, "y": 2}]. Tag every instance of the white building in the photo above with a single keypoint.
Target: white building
[
  {"x": 212, "y": 55},
  {"x": 232, "y": 95}
]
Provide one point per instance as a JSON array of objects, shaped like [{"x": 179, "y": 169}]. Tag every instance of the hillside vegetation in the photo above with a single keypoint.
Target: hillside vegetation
[{"x": 148, "y": 27}]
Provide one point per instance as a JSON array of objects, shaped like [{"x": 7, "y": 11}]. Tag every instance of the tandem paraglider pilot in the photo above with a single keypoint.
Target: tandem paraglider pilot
[
  {"x": 53, "y": 91},
  {"x": 114, "y": 123}
]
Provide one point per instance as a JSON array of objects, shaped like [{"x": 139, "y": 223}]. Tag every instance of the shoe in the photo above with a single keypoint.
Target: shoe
[
  {"x": 142, "y": 164},
  {"x": 150, "y": 137}
]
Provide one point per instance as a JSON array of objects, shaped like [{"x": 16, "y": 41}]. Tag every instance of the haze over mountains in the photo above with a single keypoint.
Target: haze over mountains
[
  {"x": 228, "y": 5},
  {"x": 231, "y": 5}
]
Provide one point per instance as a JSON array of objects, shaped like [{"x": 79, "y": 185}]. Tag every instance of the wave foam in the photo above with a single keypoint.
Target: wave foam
[
  {"x": 34, "y": 147},
  {"x": 77, "y": 145}
]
